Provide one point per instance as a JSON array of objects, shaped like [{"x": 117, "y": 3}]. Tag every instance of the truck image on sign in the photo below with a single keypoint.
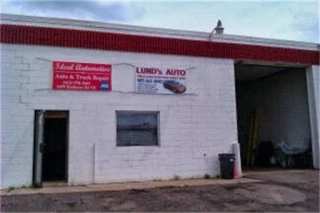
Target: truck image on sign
[{"x": 174, "y": 86}]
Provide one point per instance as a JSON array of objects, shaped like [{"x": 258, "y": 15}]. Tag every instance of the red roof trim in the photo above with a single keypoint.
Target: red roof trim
[{"x": 58, "y": 37}]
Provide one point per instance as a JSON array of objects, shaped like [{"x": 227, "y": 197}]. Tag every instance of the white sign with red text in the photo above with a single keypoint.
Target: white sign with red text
[{"x": 161, "y": 81}]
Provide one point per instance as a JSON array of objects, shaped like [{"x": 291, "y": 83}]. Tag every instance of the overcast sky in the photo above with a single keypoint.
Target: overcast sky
[{"x": 291, "y": 20}]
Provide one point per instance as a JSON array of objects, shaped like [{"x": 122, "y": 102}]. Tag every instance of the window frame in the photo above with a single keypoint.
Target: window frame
[{"x": 131, "y": 112}]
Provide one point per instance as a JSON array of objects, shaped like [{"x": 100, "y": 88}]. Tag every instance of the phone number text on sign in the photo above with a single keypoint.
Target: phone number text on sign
[
  {"x": 81, "y": 76},
  {"x": 161, "y": 81}
]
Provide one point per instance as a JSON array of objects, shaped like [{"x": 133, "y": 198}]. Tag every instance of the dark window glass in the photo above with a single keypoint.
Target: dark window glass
[{"x": 137, "y": 129}]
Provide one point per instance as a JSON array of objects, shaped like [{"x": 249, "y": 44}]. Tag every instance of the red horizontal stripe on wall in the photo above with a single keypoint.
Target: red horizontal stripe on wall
[{"x": 58, "y": 37}]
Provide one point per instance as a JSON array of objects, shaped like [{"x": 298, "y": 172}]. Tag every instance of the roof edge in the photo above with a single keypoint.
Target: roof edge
[{"x": 151, "y": 31}]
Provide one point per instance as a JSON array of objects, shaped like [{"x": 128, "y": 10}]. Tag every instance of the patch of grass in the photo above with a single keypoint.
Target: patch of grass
[
  {"x": 26, "y": 186},
  {"x": 11, "y": 188},
  {"x": 218, "y": 176},
  {"x": 138, "y": 190},
  {"x": 75, "y": 184},
  {"x": 176, "y": 177},
  {"x": 206, "y": 176},
  {"x": 166, "y": 187}
]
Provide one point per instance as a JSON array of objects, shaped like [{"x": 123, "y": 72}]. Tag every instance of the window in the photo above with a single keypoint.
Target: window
[{"x": 137, "y": 128}]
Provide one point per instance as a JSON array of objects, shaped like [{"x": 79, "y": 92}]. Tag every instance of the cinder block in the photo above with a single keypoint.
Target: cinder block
[
  {"x": 18, "y": 66},
  {"x": 10, "y": 59}
]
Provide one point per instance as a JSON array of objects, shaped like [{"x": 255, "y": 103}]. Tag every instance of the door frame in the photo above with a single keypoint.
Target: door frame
[
  {"x": 37, "y": 153},
  {"x": 47, "y": 114},
  {"x": 313, "y": 77}
]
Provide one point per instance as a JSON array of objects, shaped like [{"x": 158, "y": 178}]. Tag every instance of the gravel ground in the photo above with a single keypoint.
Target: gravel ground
[{"x": 295, "y": 191}]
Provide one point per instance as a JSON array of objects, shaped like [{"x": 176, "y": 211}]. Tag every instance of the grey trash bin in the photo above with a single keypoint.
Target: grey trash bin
[{"x": 226, "y": 165}]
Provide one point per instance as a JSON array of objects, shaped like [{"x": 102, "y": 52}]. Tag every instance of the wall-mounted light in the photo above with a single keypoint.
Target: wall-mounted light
[{"x": 218, "y": 30}]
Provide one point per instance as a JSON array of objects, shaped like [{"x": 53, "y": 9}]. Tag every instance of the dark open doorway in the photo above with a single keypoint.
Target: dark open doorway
[
  {"x": 55, "y": 149},
  {"x": 51, "y": 146}
]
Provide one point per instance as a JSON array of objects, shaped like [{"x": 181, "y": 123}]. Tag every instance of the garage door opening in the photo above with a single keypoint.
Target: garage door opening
[{"x": 273, "y": 116}]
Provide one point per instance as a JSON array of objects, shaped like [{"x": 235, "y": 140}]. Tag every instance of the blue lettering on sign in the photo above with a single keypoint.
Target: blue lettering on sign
[{"x": 104, "y": 85}]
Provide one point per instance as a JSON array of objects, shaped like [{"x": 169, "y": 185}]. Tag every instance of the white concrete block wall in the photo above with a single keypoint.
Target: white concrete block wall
[
  {"x": 283, "y": 103},
  {"x": 194, "y": 127},
  {"x": 16, "y": 122}
]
